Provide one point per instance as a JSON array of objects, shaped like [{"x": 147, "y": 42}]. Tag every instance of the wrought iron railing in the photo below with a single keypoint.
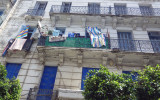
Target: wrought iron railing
[
  {"x": 105, "y": 10},
  {"x": 148, "y": 46},
  {"x": 42, "y": 94},
  {"x": 35, "y": 12}
]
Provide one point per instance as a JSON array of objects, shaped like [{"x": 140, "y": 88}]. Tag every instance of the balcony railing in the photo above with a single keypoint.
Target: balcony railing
[
  {"x": 41, "y": 94},
  {"x": 35, "y": 12},
  {"x": 148, "y": 46},
  {"x": 105, "y": 10}
]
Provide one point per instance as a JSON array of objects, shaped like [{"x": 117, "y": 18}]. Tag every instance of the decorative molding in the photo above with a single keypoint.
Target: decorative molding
[
  {"x": 54, "y": 20},
  {"x": 61, "y": 59},
  {"x": 69, "y": 20},
  {"x": 145, "y": 24},
  {"x": 84, "y": 22},
  {"x": 145, "y": 60},
  {"x": 134, "y": 23},
  {"x": 103, "y": 23},
  {"x": 114, "y": 22}
]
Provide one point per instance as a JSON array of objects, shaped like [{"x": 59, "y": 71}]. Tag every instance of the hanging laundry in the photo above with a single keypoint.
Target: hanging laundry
[
  {"x": 18, "y": 44},
  {"x": 24, "y": 32},
  {"x": 56, "y": 33},
  {"x": 97, "y": 38},
  {"x": 7, "y": 47}
]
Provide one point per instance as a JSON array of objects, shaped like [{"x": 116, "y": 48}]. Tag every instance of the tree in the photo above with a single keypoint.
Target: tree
[
  {"x": 9, "y": 89},
  {"x": 148, "y": 84},
  {"x": 104, "y": 85}
]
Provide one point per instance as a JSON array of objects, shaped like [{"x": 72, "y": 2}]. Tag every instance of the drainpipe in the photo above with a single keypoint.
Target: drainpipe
[{"x": 8, "y": 16}]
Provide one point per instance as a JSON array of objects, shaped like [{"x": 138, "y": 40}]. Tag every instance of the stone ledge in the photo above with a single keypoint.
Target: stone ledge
[{"x": 70, "y": 94}]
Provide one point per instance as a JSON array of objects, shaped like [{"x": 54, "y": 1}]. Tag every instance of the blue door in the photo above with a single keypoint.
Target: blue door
[
  {"x": 120, "y": 10},
  {"x": 125, "y": 41},
  {"x": 84, "y": 73},
  {"x": 129, "y": 72},
  {"x": 146, "y": 10},
  {"x": 47, "y": 83},
  {"x": 155, "y": 41},
  {"x": 12, "y": 70}
]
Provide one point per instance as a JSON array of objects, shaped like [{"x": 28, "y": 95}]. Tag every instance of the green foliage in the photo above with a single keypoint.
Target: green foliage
[
  {"x": 9, "y": 89},
  {"x": 148, "y": 84},
  {"x": 104, "y": 85}
]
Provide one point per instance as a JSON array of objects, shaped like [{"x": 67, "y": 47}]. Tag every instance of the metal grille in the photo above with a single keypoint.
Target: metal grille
[
  {"x": 35, "y": 12},
  {"x": 142, "y": 11},
  {"x": 132, "y": 45},
  {"x": 42, "y": 94}
]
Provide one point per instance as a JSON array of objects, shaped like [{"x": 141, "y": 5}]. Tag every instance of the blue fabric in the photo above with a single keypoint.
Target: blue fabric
[
  {"x": 12, "y": 70},
  {"x": 85, "y": 70},
  {"x": 47, "y": 82},
  {"x": 56, "y": 33},
  {"x": 71, "y": 34}
]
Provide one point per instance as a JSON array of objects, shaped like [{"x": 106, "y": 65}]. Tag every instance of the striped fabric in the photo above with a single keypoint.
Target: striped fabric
[
  {"x": 97, "y": 38},
  {"x": 24, "y": 31}
]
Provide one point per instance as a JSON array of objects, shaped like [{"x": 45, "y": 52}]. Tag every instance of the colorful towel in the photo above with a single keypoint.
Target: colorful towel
[
  {"x": 7, "y": 47},
  {"x": 97, "y": 38},
  {"x": 24, "y": 32},
  {"x": 18, "y": 44}
]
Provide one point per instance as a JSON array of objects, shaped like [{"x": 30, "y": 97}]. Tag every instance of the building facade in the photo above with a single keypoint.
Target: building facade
[{"x": 50, "y": 66}]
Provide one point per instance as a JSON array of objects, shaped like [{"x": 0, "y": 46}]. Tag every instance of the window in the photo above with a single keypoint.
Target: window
[
  {"x": 12, "y": 70},
  {"x": 66, "y": 6},
  {"x": 62, "y": 30},
  {"x": 47, "y": 83},
  {"x": 146, "y": 10},
  {"x": 93, "y": 8},
  {"x": 39, "y": 8},
  {"x": 85, "y": 70},
  {"x": 155, "y": 40},
  {"x": 125, "y": 41},
  {"x": 120, "y": 9},
  {"x": 129, "y": 72}
]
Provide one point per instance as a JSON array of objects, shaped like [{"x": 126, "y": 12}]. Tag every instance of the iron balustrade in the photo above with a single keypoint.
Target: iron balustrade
[
  {"x": 35, "y": 12},
  {"x": 148, "y": 46},
  {"x": 104, "y": 10},
  {"x": 41, "y": 94}
]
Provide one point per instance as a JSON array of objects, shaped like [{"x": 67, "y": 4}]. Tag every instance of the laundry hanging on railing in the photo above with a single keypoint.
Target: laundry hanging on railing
[
  {"x": 18, "y": 44},
  {"x": 97, "y": 38},
  {"x": 7, "y": 47},
  {"x": 23, "y": 32},
  {"x": 55, "y": 37}
]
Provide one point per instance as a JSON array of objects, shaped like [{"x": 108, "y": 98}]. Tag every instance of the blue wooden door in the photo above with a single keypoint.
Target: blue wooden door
[
  {"x": 85, "y": 70},
  {"x": 47, "y": 83},
  {"x": 12, "y": 70},
  {"x": 146, "y": 10},
  {"x": 66, "y": 7},
  {"x": 93, "y": 8},
  {"x": 125, "y": 41},
  {"x": 155, "y": 41},
  {"x": 120, "y": 10}
]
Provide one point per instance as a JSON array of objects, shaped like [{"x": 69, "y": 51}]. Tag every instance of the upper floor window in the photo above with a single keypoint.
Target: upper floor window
[
  {"x": 146, "y": 10},
  {"x": 120, "y": 9},
  {"x": 155, "y": 40},
  {"x": 66, "y": 6},
  {"x": 39, "y": 8},
  {"x": 93, "y": 8}
]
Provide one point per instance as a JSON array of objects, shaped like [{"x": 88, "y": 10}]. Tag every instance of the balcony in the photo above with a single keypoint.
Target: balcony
[
  {"x": 130, "y": 11},
  {"x": 41, "y": 94},
  {"x": 147, "y": 46},
  {"x": 34, "y": 14}
]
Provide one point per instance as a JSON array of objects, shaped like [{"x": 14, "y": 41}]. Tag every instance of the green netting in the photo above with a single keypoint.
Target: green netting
[{"x": 73, "y": 42}]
